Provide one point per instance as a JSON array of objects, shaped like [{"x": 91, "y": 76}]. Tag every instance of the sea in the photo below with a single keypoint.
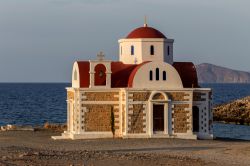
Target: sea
[{"x": 37, "y": 103}]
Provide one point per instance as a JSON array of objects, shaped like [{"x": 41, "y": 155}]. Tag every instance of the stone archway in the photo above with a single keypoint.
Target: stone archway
[{"x": 159, "y": 114}]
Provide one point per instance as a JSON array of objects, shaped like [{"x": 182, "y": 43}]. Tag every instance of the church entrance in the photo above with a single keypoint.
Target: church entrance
[{"x": 158, "y": 117}]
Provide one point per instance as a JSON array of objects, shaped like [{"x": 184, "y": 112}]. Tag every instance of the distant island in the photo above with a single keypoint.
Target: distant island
[{"x": 209, "y": 73}]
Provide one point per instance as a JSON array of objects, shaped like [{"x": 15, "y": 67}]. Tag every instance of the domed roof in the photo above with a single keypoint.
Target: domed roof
[{"x": 145, "y": 32}]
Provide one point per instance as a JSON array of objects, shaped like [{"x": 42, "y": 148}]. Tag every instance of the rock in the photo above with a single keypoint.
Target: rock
[
  {"x": 3, "y": 128},
  {"x": 237, "y": 111},
  {"x": 10, "y": 127}
]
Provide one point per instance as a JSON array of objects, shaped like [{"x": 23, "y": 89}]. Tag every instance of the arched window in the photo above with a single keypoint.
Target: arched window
[
  {"x": 152, "y": 50},
  {"x": 121, "y": 50},
  {"x": 100, "y": 75},
  {"x": 151, "y": 75},
  {"x": 75, "y": 75},
  {"x": 164, "y": 75},
  {"x": 157, "y": 74},
  {"x": 132, "y": 50},
  {"x": 168, "y": 50}
]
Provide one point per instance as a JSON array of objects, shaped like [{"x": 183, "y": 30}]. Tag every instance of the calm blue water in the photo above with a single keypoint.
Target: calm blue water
[
  {"x": 35, "y": 104},
  {"x": 224, "y": 93},
  {"x": 32, "y": 104}
]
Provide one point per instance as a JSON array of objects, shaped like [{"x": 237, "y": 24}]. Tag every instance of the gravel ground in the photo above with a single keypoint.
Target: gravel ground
[{"x": 37, "y": 148}]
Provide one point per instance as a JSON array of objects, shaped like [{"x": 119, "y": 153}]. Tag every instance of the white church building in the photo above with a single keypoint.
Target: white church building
[{"x": 143, "y": 95}]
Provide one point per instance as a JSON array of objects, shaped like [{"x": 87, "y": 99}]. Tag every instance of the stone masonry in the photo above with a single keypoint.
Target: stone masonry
[
  {"x": 136, "y": 120},
  {"x": 180, "y": 116}
]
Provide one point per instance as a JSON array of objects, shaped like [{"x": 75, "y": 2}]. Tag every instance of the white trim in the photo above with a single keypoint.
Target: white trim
[{"x": 166, "y": 102}]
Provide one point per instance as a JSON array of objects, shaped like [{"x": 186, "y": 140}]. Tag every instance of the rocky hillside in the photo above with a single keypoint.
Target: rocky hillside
[
  {"x": 237, "y": 111},
  {"x": 209, "y": 73}
]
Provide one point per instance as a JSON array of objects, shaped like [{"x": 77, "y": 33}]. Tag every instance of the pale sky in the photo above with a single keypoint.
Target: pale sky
[{"x": 40, "y": 39}]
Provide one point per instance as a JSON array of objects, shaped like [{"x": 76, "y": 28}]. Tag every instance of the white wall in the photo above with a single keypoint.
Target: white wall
[
  {"x": 142, "y": 50},
  {"x": 141, "y": 79}
]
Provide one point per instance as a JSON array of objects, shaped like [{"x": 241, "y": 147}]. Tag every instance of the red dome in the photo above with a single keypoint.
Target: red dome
[{"x": 145, "y": 32}]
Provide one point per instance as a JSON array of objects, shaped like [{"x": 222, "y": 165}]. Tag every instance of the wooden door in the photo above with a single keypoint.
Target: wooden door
[{"x": 158, "y": 117}]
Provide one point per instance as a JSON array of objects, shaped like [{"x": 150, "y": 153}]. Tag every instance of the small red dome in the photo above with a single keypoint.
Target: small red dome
[{"x": 145, "y": 32}]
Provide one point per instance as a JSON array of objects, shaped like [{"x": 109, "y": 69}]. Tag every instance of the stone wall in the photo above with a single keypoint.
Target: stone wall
[
  {"x": 180, "y": 118},
  {"x": 76, "y": 121},
  {"x": 70, "y": 95},
  {"x": 123, "y": 117},
  {"x": 174, "y": 96},
  {"x": 139, "y": 96},
  {"x": 178, "y": 96},
  {"x": 98, "y": 117},
  {"x": 137, "y": 123},
  {"x": 158, "y": 96},
  {"x": 100, "y": 96},
  {"x": 198, "y": 96}
]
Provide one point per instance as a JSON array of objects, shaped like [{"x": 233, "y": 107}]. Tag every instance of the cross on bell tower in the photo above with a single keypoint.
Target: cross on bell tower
[{"x": 100, "y": 56}]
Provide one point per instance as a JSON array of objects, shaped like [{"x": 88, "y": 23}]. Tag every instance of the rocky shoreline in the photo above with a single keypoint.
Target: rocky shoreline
[{"x": 237, "y": 112}]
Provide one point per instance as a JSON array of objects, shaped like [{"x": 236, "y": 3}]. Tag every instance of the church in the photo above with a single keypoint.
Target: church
[{"x": 146, "y": 94}]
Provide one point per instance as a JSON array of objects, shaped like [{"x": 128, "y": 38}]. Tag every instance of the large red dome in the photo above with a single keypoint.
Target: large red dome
[{"x": 145, "y": 32}]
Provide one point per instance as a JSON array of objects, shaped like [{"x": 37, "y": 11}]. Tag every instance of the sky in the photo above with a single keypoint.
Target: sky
[{"x": 40, "y": 39}]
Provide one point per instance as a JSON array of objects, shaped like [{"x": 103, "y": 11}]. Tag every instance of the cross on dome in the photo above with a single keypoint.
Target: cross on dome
[{"x": 145, "y": 21}]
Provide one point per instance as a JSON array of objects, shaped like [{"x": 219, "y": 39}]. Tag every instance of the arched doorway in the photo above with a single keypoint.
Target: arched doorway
[
  {"x": 159, "y": 114},
  {"x": 196, "y": 118}
]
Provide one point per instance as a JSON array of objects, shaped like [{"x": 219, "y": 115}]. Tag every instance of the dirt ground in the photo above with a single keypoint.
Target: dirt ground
[{"x": 37, "y": 148}]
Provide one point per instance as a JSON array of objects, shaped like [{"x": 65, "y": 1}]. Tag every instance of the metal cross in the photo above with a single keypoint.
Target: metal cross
[{"x": 100, "y": 56}]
